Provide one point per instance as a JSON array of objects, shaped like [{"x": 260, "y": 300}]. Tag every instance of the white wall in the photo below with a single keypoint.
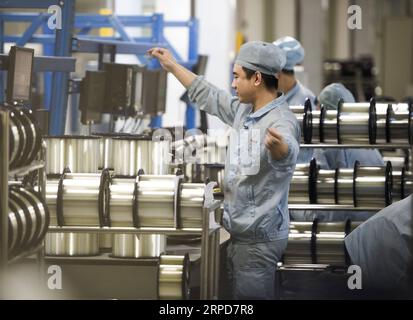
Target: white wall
[{"x": 217, "y": 40}]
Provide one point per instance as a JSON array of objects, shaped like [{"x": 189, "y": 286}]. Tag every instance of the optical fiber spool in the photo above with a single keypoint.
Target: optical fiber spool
[
  {"x": 71, "y": 244},
  {"x": 326, "y": 183},
  {"x": 372, "y": 185},
  {"x": 299, "y": 114},
  {"x": 191, "y": 204},
  {"x": 344, "y": 186},
  {"x": 400, "y": 129},
  {"x": 30, "y": 221},
  {"x": 317, "y": 243},
  {"x": 106, "y": 150},
  {"x": 399, "y": 177},
  {"x": 382, "y": 123},
  {"x": 80, "y": 205},
  {"x": 356, "y": 127},
  {"x": 138, "y": 246},
  {"x": 299, "y": 187},
  {"x": 174, "y": 277},
  {"x": 134, "y": 152},
  {"x": 25, "y": 137},
  {"x": 316, "y": 128},
  {"x": 79, "y": 153},
  {"x": 328, "y": 126}
]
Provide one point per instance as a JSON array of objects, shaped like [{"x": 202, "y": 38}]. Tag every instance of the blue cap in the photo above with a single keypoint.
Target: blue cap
[
  {"x": 293, "y": 49},
  {"x": 261, "y": 56},
  {"x": 332, "y": 93}
]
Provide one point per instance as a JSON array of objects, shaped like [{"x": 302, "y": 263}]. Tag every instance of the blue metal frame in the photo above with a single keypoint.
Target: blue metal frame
[{"x": 56, "y": 86}]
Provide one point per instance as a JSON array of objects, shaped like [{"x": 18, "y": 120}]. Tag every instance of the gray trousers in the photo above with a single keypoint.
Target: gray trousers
[{"x": 251, "y": 268}]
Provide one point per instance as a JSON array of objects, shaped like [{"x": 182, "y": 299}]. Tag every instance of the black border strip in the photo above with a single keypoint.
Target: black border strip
[
  {"x": 356, "y": 165},
  {"x": 388, "y": 184}
]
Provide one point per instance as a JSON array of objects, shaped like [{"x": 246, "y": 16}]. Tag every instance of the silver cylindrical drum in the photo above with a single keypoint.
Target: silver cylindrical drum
[
  {"x": 354, "y": 128},
  {"x": 71, "y": 244},
  {"x": 381, "y": 123},
  {"x": 326, "y": 186},
  {"x": 191, "y": 204},
  {"x": 399, "y": 124},
  {"x": 344, "y": 185},
  {"x": 352, "y": 107},
  {"x": 299, "y": 186},
  {"x": 80, "y": 153},
  {"x": 373, "y": 186},
  {"x": 31, "y": 214},
  {"x": 55, "y": 158},
  {"x": 138, "y": 246},
  {"x": 156, "y": 200},
  {"x": 299, "y": 114},
  {"x": 80, "y": 199},
  {"x": 121, "y": 202},
  {"x": 174, "y": 277},
  {"x": 316, "y": 126},
  {"x": 330, "y": 243},
  {"x": 298, "y": 250},
  {"x": 329, "y": 126}
]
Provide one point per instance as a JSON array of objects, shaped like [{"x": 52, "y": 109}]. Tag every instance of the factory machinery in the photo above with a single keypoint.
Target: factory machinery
[{"x": 116, "y": 200}]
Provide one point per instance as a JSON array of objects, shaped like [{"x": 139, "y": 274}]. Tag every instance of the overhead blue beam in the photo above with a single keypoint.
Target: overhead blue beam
[{"x": 27, "y": 35}]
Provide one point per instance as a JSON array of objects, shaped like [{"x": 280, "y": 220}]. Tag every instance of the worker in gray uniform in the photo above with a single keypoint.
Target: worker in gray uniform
[
  {"x": 382, "y": 248},
  {"x": 261, "y": 159}
]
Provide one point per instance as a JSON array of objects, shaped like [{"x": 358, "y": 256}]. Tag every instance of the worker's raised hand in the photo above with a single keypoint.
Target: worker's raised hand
[
  {"x": 275, "y": 144},
  {"x": 164, "y": 56}
]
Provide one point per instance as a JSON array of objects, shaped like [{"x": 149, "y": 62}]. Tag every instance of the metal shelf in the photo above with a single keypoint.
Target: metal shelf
[
  {"x": 166, "y": 231},
  {"x": 328, "y": 207},
  {"x": 357, "y": 146}
]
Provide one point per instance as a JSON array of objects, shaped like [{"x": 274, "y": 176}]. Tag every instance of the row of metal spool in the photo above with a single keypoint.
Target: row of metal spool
[
  {"x": 125, "y": 154},
  {"x": 356, "y": 123},
  {"x": 27, "y": 214},
  {"x": 144, "y": 201},
  {"x": 362, "y": 186},
  {"x": 25, "y": 137},
  {"x": 318, "y": 243}
]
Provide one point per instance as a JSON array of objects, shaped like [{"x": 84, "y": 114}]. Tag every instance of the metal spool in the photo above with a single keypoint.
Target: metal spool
[
  {"x": 382, "y": 122},
  {"x": 326, "y": 186},
  {"x": 25, "y": 137},
  {"x": 138, "y": 246},
  {"x": 15, "y": 231},
  {"x": 299, "y": 114},
  {"x": 23, "y": 235},
  {"x": 31, "y": 219},
  {"x": 79, "y": 153},
  {"x": 316, "y": 114},
  {"x": 106, "y": 148},
  {"x": 77, "y": 200},
  {"x": 299, "y": 191},
  {"x": 135, "y": 152},
  {"x": 317, "y": 243},
  {"x": 399, "y": 181},
  {"x": 71, "y": 244},
  {"x": 174, "y": 277},
  {"x": 80, "y": 205},
  {"x": 191, "y": 204},
  {"x": 328, "y": 124},
  {"x": 399, "y": 123},
  {"x": 354, "y": 128},
  {"x": 344, "y": 186},
  {"x": 373, "y": 186}
]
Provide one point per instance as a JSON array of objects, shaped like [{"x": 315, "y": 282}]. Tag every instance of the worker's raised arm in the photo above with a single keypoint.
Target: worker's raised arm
[
  {"x": 206, "y": 96},
  {"x": 167, "y": 61}
]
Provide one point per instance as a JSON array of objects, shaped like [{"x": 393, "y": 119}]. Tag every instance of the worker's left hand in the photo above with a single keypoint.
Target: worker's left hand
[{"x": 275, "y": 144}]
